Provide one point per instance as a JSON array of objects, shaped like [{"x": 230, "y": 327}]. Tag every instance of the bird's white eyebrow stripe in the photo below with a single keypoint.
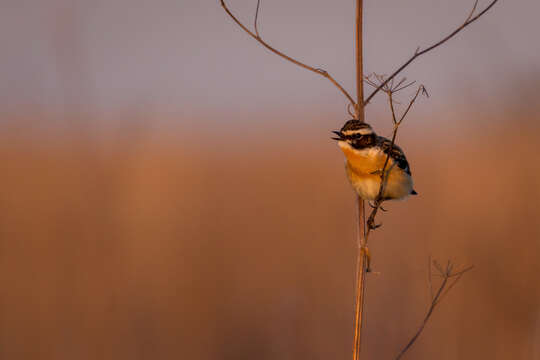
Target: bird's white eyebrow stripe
[{"x": 362, "y": 131}]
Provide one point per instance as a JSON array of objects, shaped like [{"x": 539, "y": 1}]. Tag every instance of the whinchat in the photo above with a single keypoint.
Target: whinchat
[{"x": 366, "y": 154}]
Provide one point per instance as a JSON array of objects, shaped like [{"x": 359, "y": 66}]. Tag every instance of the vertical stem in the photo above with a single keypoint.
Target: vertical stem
[
  {"x": 361, "y": 271},
  {"x": 362, "y": 260},
  {"x": 359, "y": 64}
]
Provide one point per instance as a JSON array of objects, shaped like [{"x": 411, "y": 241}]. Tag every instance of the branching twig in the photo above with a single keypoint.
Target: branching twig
[
  {"x": 430, "y": 280},
  {"x": 389, "y": 87},
  {"x": 419, "y": 52},
  {"x": 447, "y": 284},
  {"x": 257, "y": 37}
]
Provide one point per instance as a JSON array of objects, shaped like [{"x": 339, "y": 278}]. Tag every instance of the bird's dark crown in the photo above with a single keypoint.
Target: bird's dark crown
[
  {"x": 353, "y": 125},
  {"x": 354, "y": 129}
]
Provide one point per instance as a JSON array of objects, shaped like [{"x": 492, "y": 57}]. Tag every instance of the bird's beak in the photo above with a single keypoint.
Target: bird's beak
[{"x": 338, "y": 133}]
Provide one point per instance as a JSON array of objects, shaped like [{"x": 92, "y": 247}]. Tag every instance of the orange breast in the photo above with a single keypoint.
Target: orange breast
[
  {"x": 363, "y": 172},
  {"x": 364, "y": 162}
]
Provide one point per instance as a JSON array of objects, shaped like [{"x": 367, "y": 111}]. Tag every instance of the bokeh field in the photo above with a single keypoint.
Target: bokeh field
[{"x": 209, "y": 245}]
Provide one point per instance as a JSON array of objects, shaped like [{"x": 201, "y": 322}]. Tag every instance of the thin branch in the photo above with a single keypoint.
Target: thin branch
[
  {"x": 470, "y": 19},
  {"x": 430, "y": 279},
  {"x": 256, "y": 18},
  {"x": 391, "y": 101},
  {"x": 375, "y": 80},
  {"x": 444, "y": 288},
  {"x": 438, "y": 266},
  {"x": 449, "y": 287},
  {"x": 405, "y": 86},
  {"x": 457, "y": 276},
  {"x": 352, "y": 114},
  {"x": 462, "y": 271},
  {"x": 256, "y": 36},
  {"x": 422, "y": 89},
  {"x": 472, "y": 11},
  {"x": 424, "y": 322}
]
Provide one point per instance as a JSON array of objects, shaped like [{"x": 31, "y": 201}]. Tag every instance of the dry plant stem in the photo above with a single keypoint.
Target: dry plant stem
[
  {"x": 446, "y": 285},
  {"x": 257, "y": 37},
  {"x": 362, "y": 255},
  {"x": 419, "y": 52},
  {"x": 361, "y": 272},
  {"x": 359, "y": 64}
]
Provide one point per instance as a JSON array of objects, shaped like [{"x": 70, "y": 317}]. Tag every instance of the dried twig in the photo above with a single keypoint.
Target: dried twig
[
  {"x": 390, "y": 88},
  {"x": 430, "y": 280},
  {"x": 255, "y": 21},
  {"x": 470, "y": 19},
  {"x": 449, "y": 280},
  {"x": 257, "y": 37}
]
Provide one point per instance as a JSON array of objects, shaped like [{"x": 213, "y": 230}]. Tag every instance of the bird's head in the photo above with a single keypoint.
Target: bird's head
[{"x": 353, "y": 129}]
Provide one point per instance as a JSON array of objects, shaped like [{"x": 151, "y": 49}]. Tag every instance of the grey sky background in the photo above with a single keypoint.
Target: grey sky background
[{"x": 188, "y": 58}]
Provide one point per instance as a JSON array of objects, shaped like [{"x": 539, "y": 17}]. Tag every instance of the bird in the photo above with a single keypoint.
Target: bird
[{"x": 366, "y": 154}]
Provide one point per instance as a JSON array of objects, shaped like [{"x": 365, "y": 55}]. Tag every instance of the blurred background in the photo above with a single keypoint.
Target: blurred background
[{"x": 169, "y": 188}]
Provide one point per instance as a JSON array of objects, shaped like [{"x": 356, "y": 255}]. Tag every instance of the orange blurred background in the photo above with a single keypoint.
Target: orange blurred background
[{"x": 169, "y": 188}]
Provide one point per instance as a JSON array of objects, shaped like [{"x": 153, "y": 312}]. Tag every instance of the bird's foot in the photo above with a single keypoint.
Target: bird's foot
[
  {"x": 374, "y": 206},
  {"x": 371, "y": 224}
]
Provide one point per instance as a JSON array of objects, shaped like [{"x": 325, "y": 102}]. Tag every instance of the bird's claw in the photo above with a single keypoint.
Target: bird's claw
[
  {"x": 375, "y": 205},
  {"x": 371, "y": 224}
]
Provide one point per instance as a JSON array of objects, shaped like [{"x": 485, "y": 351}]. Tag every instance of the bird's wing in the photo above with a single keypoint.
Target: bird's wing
[{"x": 396, "y": 154}]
